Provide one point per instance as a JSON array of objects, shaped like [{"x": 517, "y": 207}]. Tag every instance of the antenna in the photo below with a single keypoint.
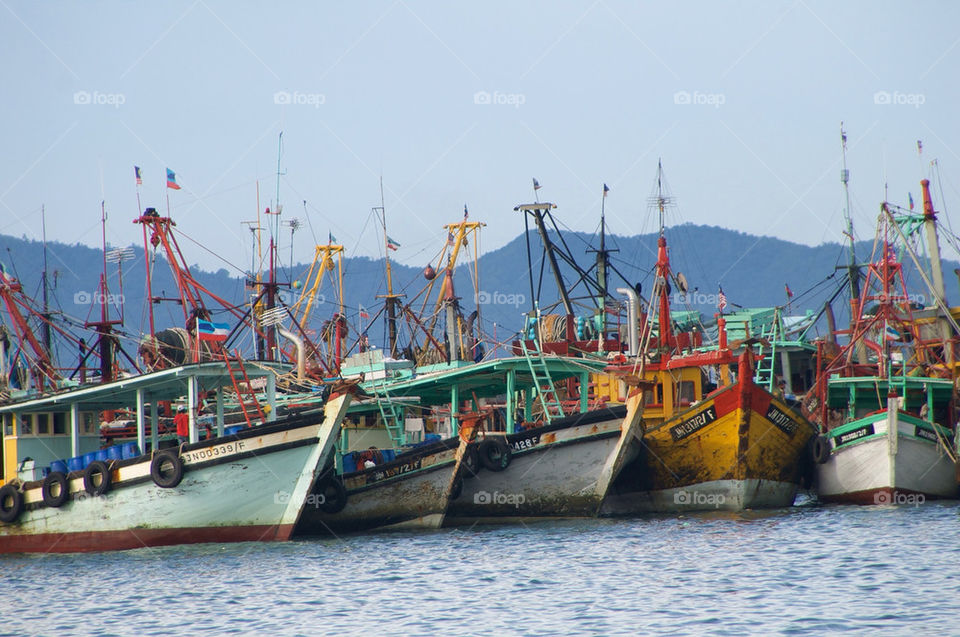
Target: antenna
[{"x": 852, "y": 270}]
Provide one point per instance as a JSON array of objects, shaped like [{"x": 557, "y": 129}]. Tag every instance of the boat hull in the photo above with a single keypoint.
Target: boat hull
[
  {"x": 562, "y": 470},
  {"x": 740, "y": 448},
  {"x": 410, "y": 492},
  {"x": 868, "y": 464},
  {"x": 248, "y": 486}
]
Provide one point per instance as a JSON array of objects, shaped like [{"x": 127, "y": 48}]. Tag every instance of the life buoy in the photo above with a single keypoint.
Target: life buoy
[
  {"x": 495, "y": 454},
  {"x": 334, "y": 495},
  {"x": 470, "y": 461},
  {"x": 55, "y": 489},
  {"x": 821, "y": 449},
  {"x": 166, "y": 469},
  {"x": 90, "y": 484},
  {"x": 11, "y": 503}
]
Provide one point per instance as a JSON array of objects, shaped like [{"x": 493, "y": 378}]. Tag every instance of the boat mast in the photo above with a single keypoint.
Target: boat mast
[
  {"x": 389, "y": 297},
  {"x": 603, "y": 261},
  {"x": 47, "y": 340},
  {"x": 666, "y": 340},
  {"x": 936, "y": 267},
  {"x": 852, "y": 270}
]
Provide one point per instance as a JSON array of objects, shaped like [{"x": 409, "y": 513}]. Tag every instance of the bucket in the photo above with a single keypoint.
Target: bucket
[
  {"x": 115, "y": 452},
  {"x": 129, "y": 450},
  {"x": 75, "y": 464},
  {"x": 59, "y": 465}
]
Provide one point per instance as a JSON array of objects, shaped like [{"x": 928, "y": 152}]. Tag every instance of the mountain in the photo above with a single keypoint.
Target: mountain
[{"x": 752, "y": 270}]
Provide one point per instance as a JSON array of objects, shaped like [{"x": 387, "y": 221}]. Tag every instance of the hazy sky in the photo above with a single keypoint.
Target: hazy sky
[{"x": 458, "y": 103}]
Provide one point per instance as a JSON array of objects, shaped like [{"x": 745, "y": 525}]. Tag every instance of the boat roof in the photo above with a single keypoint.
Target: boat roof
[
  {"x": 165, "y": 384},
  {"x": 485, "y": 379}
]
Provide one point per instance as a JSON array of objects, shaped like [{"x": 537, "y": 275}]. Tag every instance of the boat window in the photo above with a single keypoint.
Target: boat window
[
  {"x": 43, "y": 424},
  {"x": 8, "y": 424},
  {"x": 88, "y": 420},
  {"x": 688, "y": 392},
  {"x": 26, "y": 425},
  {"x": 59, "y": 425}
]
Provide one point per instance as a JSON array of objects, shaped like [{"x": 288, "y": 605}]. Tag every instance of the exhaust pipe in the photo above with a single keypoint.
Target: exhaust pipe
[
  {"x": 633, "y": 312},
  {"x": 301, "y": 352}
]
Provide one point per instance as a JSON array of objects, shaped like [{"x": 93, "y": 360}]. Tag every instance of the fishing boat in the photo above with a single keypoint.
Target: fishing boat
[
  {"x": 886, "y": 400},
  {"x": 247, "y": 486},
  {"x": 719, "y": 431}
]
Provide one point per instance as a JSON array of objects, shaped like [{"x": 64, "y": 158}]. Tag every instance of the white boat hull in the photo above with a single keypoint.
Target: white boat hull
[
  {"x": 882, "y": 467},
  {"x": 246, "y": 487}
]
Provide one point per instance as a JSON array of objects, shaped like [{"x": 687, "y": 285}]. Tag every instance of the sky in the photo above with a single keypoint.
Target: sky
[{"x": 457, "y": 104}]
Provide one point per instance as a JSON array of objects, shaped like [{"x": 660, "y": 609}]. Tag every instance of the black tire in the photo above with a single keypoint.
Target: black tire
[
  {"x": 495, "y": 454},
  {"x": 334, "y": 495},
  {"x": 55, "y": 489},
  {"x": 821, "y": 449},
  {"x": 95, "y": 468},
  {"x": 470, "y": 461},
  {"x": 166, "y": 469},
  {"x": 11, "y": 503},
  {"x": 457, "y": 490}
]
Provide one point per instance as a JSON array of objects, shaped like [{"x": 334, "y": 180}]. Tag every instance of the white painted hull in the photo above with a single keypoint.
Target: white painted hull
[
  {"x": 869, "y": 471},
  {"x": 415, "y": 499},
  {"x": 561, "y": 473},
  {"x": 233, "y": 489}
]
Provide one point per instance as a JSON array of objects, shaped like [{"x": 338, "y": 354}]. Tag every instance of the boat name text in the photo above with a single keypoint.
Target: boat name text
[
  {"x": 212, "y": 452},
  {"x": 783, "y": 422},
  {"x": 692, "y": 425},
  {"x": 856, "y": 434}
]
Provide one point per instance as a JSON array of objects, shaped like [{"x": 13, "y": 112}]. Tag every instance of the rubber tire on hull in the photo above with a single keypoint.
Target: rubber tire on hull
[
  {"x": 94, "y": 468},
  {"x": 494, "y": 454},
  {"x": 163, "y": 478},
  {"x": 58, "y": 479},
  {"x": 334, "y": 495},
  {"x": 11, "y": 513},
  {"x": 470, "y": 461},
  {"x": 821, "y": 449}
]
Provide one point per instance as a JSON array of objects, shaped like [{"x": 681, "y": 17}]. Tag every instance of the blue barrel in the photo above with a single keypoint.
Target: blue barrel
[
  {"x": 130, "y": 450},
  {"x": 115, "y": 452},
  {"x": 101, "y": 455},
  {"x": 229, "y": 431},
  {"x": 75, "y": 464},
  {"x": 58, "y": 465},
  {"x": 389, "y": 455},
  {"x": 87, "y": 458},
  {"x": 349, "y": 463}
]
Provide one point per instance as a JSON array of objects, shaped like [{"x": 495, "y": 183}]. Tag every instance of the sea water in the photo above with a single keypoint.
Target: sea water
[{"x": 805, "y": 570}]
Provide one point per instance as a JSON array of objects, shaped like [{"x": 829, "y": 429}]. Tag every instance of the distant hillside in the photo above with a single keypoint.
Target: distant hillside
[{"x": 753, "y": 271}]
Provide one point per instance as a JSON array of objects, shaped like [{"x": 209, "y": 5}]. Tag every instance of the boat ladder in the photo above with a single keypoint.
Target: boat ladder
[
  {"x": 766, "y": 365},
  {"x": 546, "y": 390},
  {"x": 249, "y": 404},
  {"x": 391, "y": 414}
]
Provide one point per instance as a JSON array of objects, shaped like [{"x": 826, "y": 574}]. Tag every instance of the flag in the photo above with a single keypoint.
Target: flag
[
  {"x": 136, "y": 173},
  {"x": 789, "y": 291},
  {"x": 363, "y": 313},
  {"x": 391, "y": 244},
  {"x": 910, "y": 197},
  {"x": 208, "y": 331},
  {"x": 450, "y": 239},
  {"x": 721, "y": 300},
  {"x": 536, "y": 184},
  {"x": 919, "y": 147},
  {"x": 172, "y": 180},
  {"x": 330, "y": 238},
  {"x": 466, "y": 213},
  {"x": 891, "y": 334},
  {"x": 5, "y": 276},
  {"x": 605, "y": 190}
]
